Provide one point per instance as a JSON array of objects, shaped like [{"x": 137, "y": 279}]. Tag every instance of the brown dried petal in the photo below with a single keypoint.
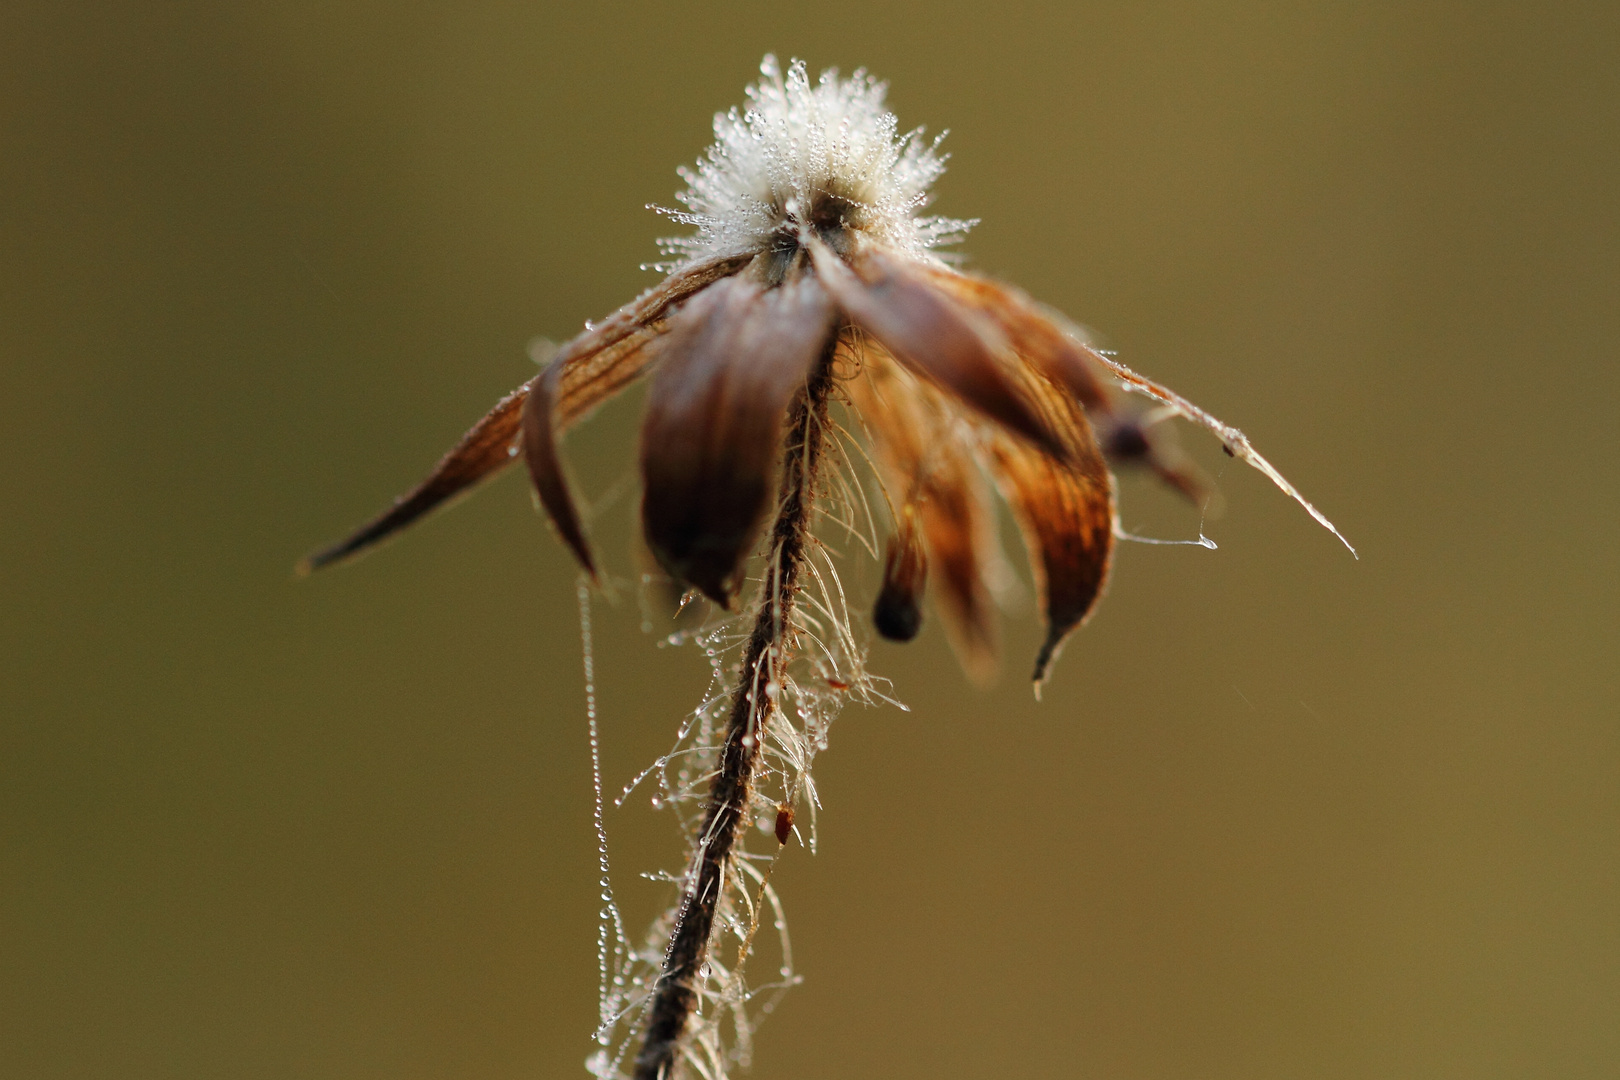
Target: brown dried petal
[
  {"x": 545, "y": 466},
  {"x": 924, "y": 458},
  {"x": 933, "y": 335},
  {"x": 1034, "y": 333},
  {"x": 589, "y": 368},
  {"x": 728, "y": 368},
  {"x": 956, "y": 520},
  {"x": 1066, "y": 512},
  {"x": 587, "y": 371}
]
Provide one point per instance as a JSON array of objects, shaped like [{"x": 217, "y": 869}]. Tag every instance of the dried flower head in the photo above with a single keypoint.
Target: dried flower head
[
  {"x": 813, "y": 275},
  {"x": 809, "y": 234}
]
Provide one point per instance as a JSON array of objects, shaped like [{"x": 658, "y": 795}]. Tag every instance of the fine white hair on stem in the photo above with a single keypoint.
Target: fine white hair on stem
[
  {"x": 814, "y": 681},
  {"x": 800, "y": 153}
]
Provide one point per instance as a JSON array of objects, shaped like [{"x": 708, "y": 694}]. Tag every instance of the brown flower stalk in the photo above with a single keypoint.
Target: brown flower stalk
[{"x": 764, "y": 658}]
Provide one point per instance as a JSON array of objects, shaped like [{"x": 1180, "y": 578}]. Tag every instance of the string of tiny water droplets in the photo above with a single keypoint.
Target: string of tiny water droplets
[{"x": 610, "y": 974}]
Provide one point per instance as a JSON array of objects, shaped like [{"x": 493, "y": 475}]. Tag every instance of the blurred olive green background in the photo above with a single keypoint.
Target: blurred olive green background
[{"x": 1282, "y": 813}]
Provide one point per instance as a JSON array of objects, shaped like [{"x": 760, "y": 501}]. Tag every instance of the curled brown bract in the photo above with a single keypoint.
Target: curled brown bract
[
  {"x": 728, "y": 367},
  {"x": 545, "y": 466}
]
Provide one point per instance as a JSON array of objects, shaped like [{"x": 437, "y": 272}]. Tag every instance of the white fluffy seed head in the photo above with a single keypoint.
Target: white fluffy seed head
[{"x": 806, "y": 158}]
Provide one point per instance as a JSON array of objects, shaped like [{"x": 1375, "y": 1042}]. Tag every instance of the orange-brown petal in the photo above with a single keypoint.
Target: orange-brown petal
[
  {"x": 728, "y": 369},
  {"x": 956, "y": 521},
  {"x": 1065, "y": 510},
  {"x": 1033, "y": 332},
  {"x": 545, "y": 465},
  {"x": 933, "y": 335},
  {"x": 925, "y": 460}
]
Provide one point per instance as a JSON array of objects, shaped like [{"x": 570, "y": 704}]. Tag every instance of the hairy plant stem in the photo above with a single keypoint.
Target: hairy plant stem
[{"x": 765, "y": 656}]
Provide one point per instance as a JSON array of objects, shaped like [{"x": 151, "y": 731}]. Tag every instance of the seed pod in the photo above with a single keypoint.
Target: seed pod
[
  {"x": 898, "y": 612},
  {"x": 784, "y": 822}
]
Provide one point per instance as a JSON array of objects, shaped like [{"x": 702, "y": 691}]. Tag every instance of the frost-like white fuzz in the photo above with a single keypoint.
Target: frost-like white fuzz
[{"x": 802, "y": 158}]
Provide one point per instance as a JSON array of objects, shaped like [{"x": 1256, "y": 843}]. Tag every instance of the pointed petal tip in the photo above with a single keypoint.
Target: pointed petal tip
[
  {"x": 582, "y": 554},
  {"x": 721, "y": 591},
  {"x": 340, "y": 552},
  {"x": 1043, "y": 659}
]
